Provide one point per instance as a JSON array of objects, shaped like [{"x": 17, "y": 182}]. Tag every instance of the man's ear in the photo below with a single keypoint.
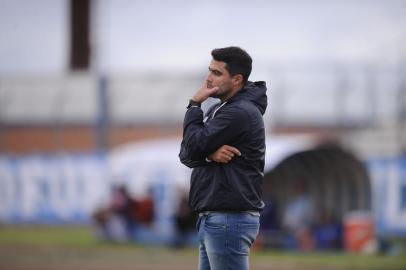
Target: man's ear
[{"x": 237, "y": 79}]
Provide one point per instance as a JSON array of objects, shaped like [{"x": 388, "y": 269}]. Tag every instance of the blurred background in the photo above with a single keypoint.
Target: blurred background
[{"x": 92, "y": 99}]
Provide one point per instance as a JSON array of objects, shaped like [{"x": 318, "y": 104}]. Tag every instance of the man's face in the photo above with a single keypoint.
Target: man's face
[{"x": 219, "y": 76}]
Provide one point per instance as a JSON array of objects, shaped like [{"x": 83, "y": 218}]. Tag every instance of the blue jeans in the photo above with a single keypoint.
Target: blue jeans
[{"x": 225, "y": 239}]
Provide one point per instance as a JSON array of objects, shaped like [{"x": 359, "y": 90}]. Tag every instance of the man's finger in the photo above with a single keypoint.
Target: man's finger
[
  {"x": 213, "y": 90},
  {"x": 227, "y": 153},
  {"x": 224, "y": 156},
  {"x": 232, "y": 149}
]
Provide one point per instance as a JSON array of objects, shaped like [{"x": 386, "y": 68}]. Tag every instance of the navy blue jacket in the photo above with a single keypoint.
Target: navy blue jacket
[{"x": 237, "y": 185}]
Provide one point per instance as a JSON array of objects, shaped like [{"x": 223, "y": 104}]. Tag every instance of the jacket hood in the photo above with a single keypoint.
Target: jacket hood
[{"x": 254, "y": 92}]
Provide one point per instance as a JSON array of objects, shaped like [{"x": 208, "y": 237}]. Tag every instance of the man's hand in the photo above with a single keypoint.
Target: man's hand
[
  {"x": 204, "y": 93},
  {"x": 224, "y": 154}
]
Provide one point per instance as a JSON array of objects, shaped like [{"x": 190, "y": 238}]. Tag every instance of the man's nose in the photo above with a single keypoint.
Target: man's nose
[{"x": 209, "y": 77}]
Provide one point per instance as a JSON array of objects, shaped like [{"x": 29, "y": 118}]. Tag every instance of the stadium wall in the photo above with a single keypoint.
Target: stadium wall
[{"x": 67, "y": 188}]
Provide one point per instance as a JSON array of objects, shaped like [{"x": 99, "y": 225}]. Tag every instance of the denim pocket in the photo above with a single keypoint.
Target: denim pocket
[{"x": 215, "y": 221}]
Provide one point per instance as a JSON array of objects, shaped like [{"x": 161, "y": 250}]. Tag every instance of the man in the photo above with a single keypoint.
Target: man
[
  {"x": 226, "y": 150},
  {"x": 299, "y": 217}
]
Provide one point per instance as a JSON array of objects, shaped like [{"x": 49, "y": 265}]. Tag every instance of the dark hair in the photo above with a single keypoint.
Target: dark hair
[{"x": 237, "y": 61}]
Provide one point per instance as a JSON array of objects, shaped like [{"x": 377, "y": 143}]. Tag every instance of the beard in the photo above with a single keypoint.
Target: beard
[
  {"x": 224, "y": 91},
  {"x": 217, "y": 95}
]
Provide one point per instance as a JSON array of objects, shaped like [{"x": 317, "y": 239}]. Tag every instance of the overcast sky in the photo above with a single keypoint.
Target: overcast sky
[{"x": 177, "y": 35}]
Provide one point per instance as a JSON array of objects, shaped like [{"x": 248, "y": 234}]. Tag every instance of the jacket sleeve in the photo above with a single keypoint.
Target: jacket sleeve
[
  {"x": 186, "y": 159},
  {"x": 200, "y": 140}
]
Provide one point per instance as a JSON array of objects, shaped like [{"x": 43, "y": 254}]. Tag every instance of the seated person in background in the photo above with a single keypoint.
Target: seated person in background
[
  {"x": 298, "y": 218},
  {"x": 117, "y": 221},
  {"x": 328, "y": 232}
]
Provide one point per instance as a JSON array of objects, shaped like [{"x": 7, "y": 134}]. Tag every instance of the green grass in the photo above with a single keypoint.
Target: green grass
[
  {"x": 38, "y": 247},
  {"x": 43, "y": 236}
]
